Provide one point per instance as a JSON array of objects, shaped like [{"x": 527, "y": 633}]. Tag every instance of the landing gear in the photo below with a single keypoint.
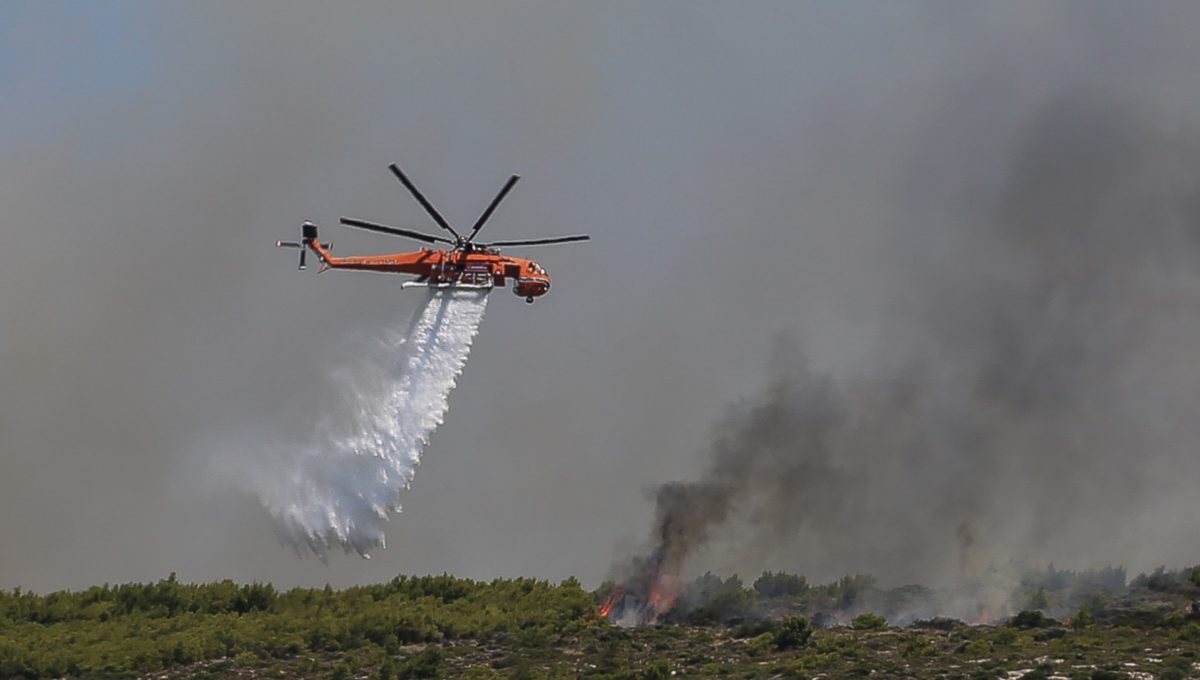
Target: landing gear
[{"x": 529, "y": 300}]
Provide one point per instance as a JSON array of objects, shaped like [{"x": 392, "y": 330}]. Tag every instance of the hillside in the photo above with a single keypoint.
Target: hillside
[{"x": 448, "y": 627}]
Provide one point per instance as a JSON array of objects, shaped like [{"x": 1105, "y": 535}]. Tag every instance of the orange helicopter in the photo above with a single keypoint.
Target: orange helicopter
[{"x": 465, "y": 265}]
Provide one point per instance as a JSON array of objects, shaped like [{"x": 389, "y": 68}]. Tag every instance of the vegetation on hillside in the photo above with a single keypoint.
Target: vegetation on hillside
[
  {"x": 130, "y": 629},
  {"x": 441, "y": 626}
]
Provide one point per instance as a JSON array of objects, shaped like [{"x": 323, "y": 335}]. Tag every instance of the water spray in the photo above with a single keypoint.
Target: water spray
[{"x": 340, "y": 488}]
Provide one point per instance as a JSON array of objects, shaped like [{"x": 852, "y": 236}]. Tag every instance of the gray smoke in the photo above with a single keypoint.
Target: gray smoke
[{"x": 1019, "y": 408}]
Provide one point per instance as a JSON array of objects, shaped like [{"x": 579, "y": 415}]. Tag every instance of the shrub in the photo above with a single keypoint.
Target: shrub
[
  {"x": 1175, "y": 668},
  {"x": 1189, "y": 632},
  {"x": 424, "y": 664},
  {"x": 752, "y": 629},
  {"x": 939, "y": 623},
  {"x": 794, "y": 631},
  {"x": 869, "y": 622},
  {"x": 1030, "y": 618},
  {"x": 762, "y": 644},
  {"x": 1005, "y": 637},
  {"x": 1083, "y": 618},
  {"x": 659, "y": 670},
  {"x": 918, "y": 647}
]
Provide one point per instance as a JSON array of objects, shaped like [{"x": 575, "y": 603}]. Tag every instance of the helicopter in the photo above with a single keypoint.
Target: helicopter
[{"x": 465, "y": 263}]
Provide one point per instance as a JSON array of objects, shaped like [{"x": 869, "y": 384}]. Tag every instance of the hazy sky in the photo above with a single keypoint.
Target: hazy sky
[{"x": 743, "y": 168}]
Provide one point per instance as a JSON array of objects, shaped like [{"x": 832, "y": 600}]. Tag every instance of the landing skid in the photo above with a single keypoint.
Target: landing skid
[{"x": 447, "y": 285}]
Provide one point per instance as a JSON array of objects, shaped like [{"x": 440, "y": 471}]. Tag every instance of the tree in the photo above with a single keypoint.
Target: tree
[
  {"x": 1038, "y": 600},
  {"x": 794, "y": 632},
  {"x": 772, "y": 584}
]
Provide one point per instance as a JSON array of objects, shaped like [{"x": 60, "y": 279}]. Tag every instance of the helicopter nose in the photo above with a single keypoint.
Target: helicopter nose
[{"x": 532, "y": 287}]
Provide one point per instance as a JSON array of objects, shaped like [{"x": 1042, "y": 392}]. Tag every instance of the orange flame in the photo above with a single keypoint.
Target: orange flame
[
  {"x": 607, "y": 607},
  {"x": 662, "y": 599}
]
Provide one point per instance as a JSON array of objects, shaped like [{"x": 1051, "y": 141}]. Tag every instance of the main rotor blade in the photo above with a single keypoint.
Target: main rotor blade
[
  {"x": 394, "y": 231},
  {"x": 437, "y": 216},
  {"x": 492, "y": 206},
  {"x": 537, "y": 242}
]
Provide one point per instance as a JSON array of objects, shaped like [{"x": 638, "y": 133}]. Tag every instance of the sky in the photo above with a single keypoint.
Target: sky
[{"x": 845, "y": 173}]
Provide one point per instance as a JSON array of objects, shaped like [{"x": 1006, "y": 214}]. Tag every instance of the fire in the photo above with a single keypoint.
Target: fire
[
  {"x": 648, "y": 593},
  {"x": 641, "y": 604},
  {"x": 662, "y": 599},
  {"x": 613, "y": 599}
]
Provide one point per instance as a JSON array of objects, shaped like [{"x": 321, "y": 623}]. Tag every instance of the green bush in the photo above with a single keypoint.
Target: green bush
[
  {"x": 1189, "y": 632},
  {"x": 918, "y": 647},
  {"x": 1031, "y": 618},
  {"x": 659, "y": 670},
  {"x": 763, "y": 644},
  {"x": 1083, "y": 618},
  {"x": 868, "y": 622},
  {"x": 756, "y": 628},
  {"x": 794, "y": 632},
  {"x": 424, "y": 664},
  {"x": 1005, "y": 637}
]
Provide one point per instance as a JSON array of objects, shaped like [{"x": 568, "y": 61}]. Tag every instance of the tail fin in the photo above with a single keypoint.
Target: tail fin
[{"x": 308, "y": 239}]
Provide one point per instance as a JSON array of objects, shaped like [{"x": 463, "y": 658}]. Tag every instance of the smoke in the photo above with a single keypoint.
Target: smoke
[
  {"x": 340, "y": 487},
  {"x": 1020, "y": 408}
]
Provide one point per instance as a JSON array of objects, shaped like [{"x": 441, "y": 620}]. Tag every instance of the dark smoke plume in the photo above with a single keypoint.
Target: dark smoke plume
[
  {"x": 759, "y": 456},
  {"x": 1011, "y": 413}
]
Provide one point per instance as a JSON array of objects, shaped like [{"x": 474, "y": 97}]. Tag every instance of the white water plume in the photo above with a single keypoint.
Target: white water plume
[{"x": 340, "y": 488}]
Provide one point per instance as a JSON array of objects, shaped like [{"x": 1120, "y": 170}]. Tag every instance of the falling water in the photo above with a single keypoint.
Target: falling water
[{"x": 340, "y": 489}]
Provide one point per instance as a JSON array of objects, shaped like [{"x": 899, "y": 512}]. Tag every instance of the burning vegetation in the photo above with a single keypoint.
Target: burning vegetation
[
  {"x": 647, "y": 596},
  {"x": 859, "y": 602},
  {"x": 760, "y": 448}
]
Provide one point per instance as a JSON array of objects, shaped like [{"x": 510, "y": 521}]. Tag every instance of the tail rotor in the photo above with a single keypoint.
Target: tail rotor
[{"x": 308, "y": 234}]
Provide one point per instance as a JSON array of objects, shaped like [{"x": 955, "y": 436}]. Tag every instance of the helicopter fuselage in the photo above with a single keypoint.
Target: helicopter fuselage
[{"x": 479, "y": 268}]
